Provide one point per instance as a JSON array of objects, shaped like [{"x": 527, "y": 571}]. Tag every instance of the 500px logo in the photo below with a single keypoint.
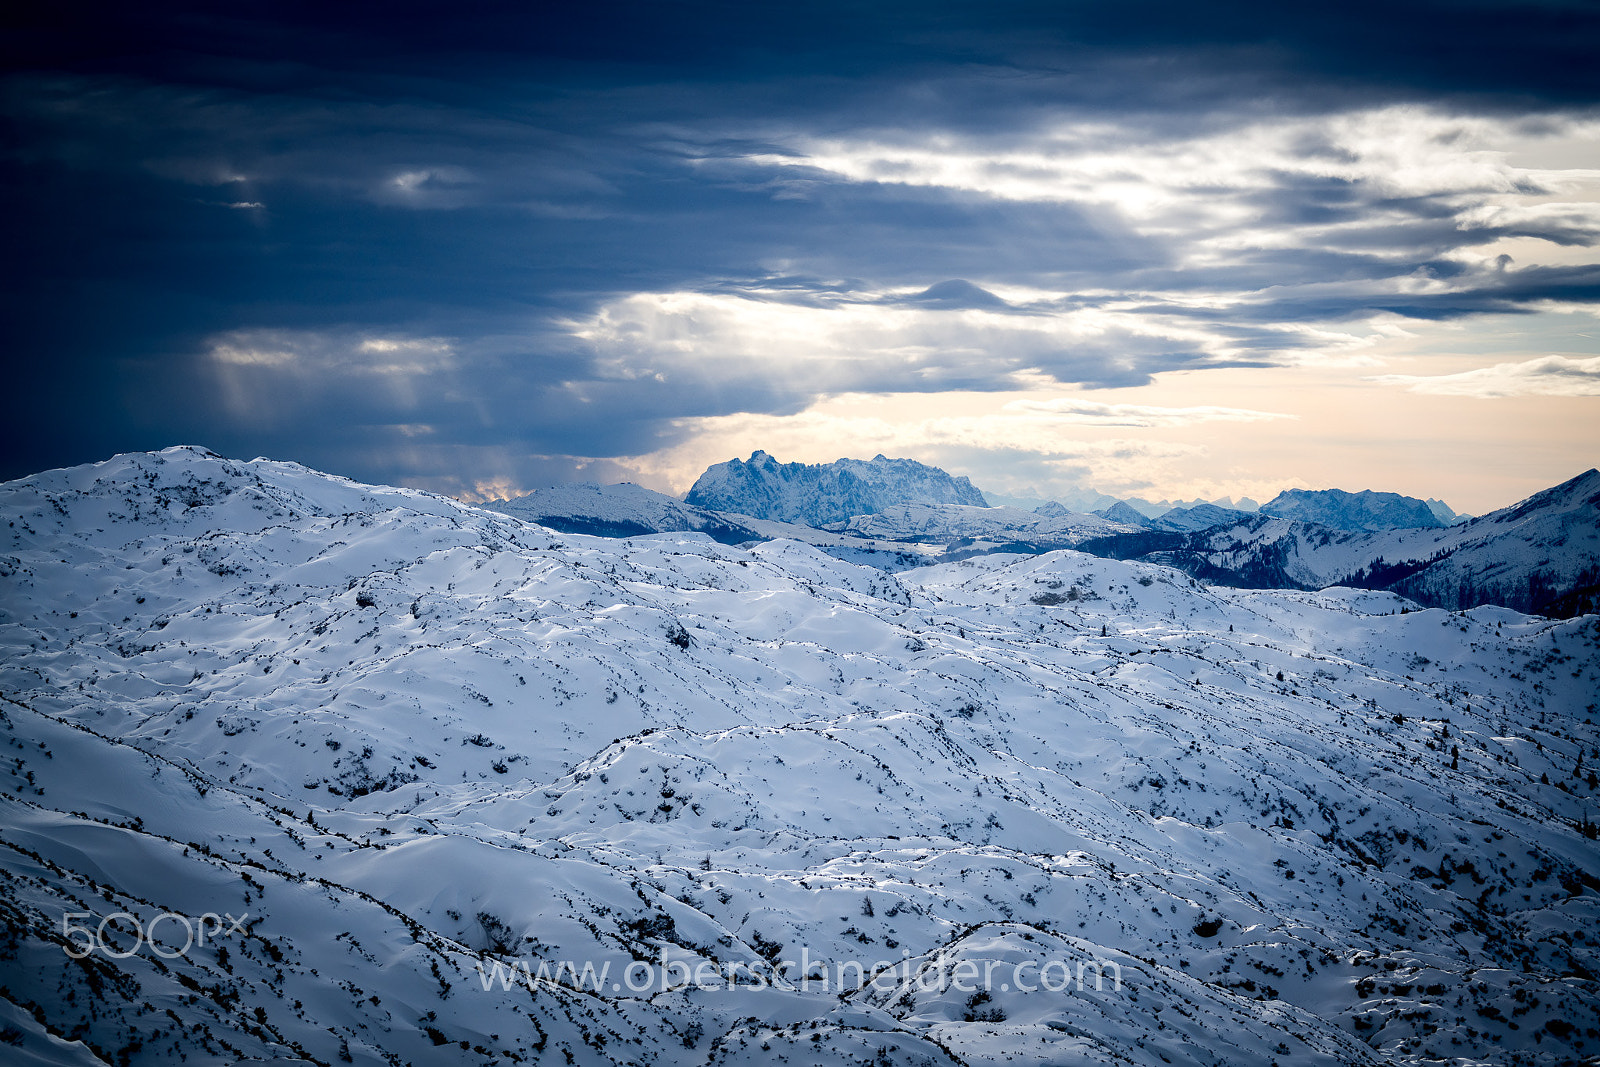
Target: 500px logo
[{"x": 195, "y": 932}]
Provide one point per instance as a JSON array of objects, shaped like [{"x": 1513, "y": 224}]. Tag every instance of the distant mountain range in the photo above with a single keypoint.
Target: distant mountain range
[
  {"x": 1090, "y": 500},
  {"x": 1542, "y": 555}
]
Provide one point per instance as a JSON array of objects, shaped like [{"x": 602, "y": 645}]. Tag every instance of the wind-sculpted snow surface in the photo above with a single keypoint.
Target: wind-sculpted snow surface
[{"x": 437, "y": 771}]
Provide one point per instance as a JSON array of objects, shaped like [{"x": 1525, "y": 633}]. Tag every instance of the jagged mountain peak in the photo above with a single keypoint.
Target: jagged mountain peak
[
  {"x": 1342, "y": 510},
  {"x": 818, "y": 494}
]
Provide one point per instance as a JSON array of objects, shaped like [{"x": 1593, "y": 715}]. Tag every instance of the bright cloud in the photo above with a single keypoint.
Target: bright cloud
[
  {"x": 1078, "y": 410},
  {"x": 867, "y": 342},
  {"x": 1549, "y": 376},
  {"x": 331, "y": 351},
  {"x": 467, "y": 280},
  {"x": 1274, "y": 183}
]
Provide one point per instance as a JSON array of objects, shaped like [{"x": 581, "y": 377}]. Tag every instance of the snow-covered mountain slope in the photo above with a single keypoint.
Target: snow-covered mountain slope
[
  {"x": 819, "y": 494},
  {"x": 943, "y": 524},
  {"x": 1541, "y": 555},
  {"x": 622, "y": 510},
  {"x": 406, "y": 742},
  {"x": 1340, "y": 510},
  {"x": 628, "y": 510},
  {"x": 1123, "y": 513}
]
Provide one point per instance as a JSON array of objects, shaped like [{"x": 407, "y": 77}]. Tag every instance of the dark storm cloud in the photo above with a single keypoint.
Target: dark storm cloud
[{"x": 489, "y": 180}]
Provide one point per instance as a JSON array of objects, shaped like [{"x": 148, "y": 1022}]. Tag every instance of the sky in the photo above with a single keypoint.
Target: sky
[{"x": 1171, "y": 250}]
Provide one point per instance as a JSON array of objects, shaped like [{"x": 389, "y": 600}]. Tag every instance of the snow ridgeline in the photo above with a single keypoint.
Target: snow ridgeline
[{"x": 405, "y": 740}]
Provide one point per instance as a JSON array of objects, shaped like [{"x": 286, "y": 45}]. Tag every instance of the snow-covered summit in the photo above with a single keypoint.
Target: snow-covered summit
[
  {"x": 1121, "y": 511},
  {"x": 1196, "y": 517},
  {"x": 819, "y": 494},
  {"x": 1341, "y": 510},
  {"x": 1446, "y": 515}
]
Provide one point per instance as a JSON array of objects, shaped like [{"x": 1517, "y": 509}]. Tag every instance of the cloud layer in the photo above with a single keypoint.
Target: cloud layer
[
  {"x": 1550, "y": 376},
  {"x": 503, "y": 250}
]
